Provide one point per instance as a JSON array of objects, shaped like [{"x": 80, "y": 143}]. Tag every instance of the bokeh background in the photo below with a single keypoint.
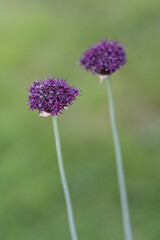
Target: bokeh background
[{"x": 38, "y": 38}]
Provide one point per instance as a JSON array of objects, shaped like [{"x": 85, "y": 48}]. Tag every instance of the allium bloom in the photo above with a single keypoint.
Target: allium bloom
[
  {"x": 51, "y": 96},
  {"x": 104, "y": 58}
]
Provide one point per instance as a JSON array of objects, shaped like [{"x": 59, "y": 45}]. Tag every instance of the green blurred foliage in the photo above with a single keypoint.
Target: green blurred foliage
[{"x": 38, "y": 38}]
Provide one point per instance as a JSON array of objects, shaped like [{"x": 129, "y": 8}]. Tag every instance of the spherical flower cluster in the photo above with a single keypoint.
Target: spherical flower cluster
[
  {"x": 104, "y": 58},
  {"x": 51, "y": 96}
]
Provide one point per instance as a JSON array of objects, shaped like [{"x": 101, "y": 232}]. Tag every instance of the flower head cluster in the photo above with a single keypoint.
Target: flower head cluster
[
  {"x": 51, "y": 96},
  {"x": 104, "y": 58}
]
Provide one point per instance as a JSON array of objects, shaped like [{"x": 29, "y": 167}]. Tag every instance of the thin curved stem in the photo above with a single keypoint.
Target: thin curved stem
[
  {"x": 64, "y": 181},
  {"x": 120, "y": 171}
]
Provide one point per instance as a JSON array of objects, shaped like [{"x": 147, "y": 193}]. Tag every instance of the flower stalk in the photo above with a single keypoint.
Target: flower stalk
[
  {"x": 64, "y": 181},
  {"x": 120, "y": 171}
]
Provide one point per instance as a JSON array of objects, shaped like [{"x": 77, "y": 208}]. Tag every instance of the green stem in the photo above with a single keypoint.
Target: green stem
[
  {"x": 120, "y": 171},
  {"x": 64, "y": 181}
]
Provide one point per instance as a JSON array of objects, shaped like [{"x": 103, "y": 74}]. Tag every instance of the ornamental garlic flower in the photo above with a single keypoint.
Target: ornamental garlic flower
[
  {"x": 51, "y": 96},
  {"x": 104, "y": 58}
]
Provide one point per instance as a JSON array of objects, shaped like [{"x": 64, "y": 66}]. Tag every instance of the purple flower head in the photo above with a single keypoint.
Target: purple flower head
[
  {"x": 104, "y": 58},
  {"x": 51, "y": 96}
]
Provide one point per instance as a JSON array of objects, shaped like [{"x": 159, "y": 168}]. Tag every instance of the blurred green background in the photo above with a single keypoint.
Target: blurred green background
[{"x": 38, "y": 38}]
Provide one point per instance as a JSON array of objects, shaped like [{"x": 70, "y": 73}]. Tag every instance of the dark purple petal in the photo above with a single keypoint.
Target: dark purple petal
[
  {"x": 51, "y": 95},
  {"x": 104, "y": 58}
]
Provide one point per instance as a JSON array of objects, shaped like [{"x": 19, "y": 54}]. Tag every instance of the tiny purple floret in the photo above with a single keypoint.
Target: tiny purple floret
[
  {"x": 104, "y": 58},
  {"x": 51, "y": 96}
]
